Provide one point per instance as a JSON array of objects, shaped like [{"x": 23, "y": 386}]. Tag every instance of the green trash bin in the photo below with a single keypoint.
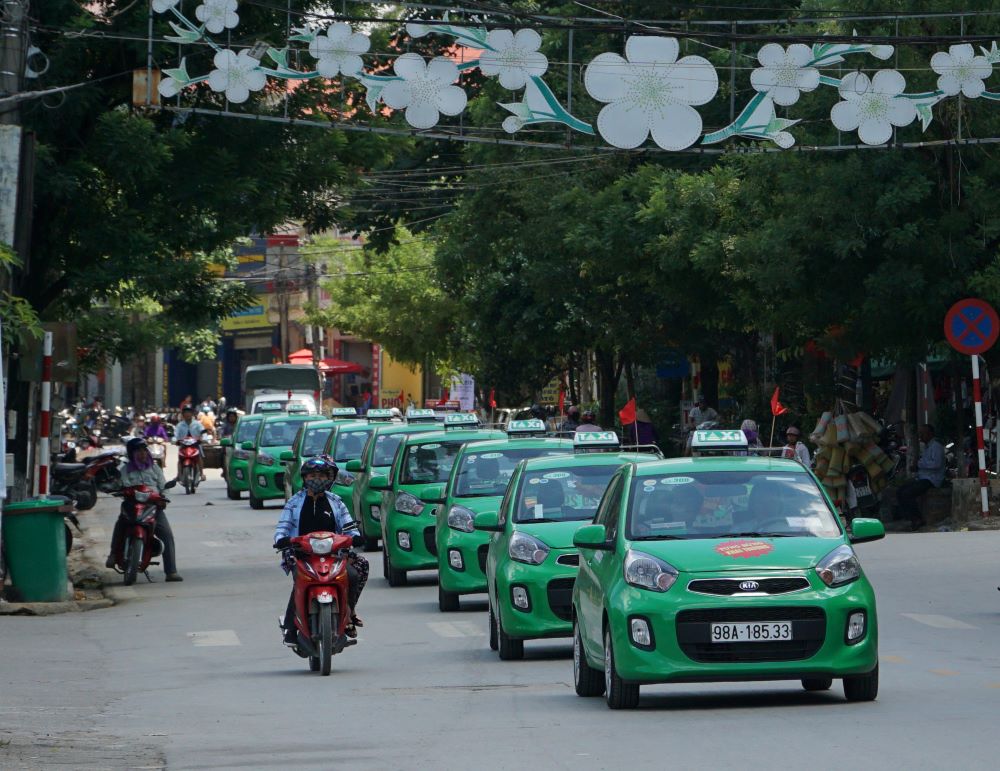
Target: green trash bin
[{"x": 34, "y": 537}]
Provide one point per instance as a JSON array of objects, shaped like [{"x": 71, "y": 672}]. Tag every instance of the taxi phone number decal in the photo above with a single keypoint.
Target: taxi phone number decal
[{"x": 744, "y": 549}]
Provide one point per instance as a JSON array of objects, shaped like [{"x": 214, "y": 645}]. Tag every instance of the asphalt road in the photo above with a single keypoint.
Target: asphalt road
[{"x": 193, "y": 675}]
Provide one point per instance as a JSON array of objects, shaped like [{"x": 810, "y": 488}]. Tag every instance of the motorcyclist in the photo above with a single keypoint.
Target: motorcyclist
[
  {"x": 189, "y": 426},
  {"x": 139, "y": 469},
  {"x": 587, "y": 422},
  {"x": 156, "y": 429},
  {"x": 315, "y": 508},
  {"x": 229, "y": 424}
]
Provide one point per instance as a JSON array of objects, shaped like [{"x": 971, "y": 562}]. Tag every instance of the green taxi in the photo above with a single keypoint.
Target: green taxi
[
  {"x": 267, "y": 473},
  {"x": 344, "y": 445},
  {"x": 237, "y": 458},
  {"x": 415, "y": 488},
  {"x": 376, "y": 460},
  {"x": 478, "y": 481},
  {"x": 531, "y": 563},
  {"x": 725, "y": 568},
  {"x": 310, "y": 441}
]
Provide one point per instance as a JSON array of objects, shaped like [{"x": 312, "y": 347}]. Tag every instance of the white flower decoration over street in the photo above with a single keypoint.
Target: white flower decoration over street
[
  {"x": 217, "y": 15},
  {"x": 961, "y": 71},
  {"x": 514, "y": 57},
  {"x": 425, "y": 90},
  {"x": 784, "y": 74},
  {"x": 162, "y": 6},
  {"x": 169, "y": 87},
  {"x": 650, "y": 92},
  {"x": 339, "y": 50},
  {"x": 237, "y": 75},
  {"x": 871, "y": 106}
]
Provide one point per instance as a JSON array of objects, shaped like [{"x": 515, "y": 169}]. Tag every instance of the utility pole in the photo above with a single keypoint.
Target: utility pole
[{"x": 281, "y": 287}]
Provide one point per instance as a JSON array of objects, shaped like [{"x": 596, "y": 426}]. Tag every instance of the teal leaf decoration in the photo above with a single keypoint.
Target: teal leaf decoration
[
  {"x": 279, "y": 57},
  {"x": 926, "y": 114},
  {"x": 183, "y": 36},
  {"x": 180, "y": 74},
  {"x": 992, "y": 54}
]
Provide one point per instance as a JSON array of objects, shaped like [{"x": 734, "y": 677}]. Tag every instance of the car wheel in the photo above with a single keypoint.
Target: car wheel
[
  {"x": 493, "y": 631},
  {"x": 817, "y": 683},
  {"x": 586, "y": 680},
  {"x": 508, "y": 648},
  {"x": 256, "y": 503},
  {"x": 862, "y": 687},
  {"x": 231, "y": 494},
  {"x": 385, "y": 565},
  {"x": 619, "y": 694},
  {"x": 447, "y": 601},
  {"x": 371, "y": 543},
  {"x": 396, "y": 577}
]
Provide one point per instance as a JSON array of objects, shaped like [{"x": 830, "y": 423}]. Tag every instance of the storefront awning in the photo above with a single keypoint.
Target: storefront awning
[{"x": 328, "y": 366}]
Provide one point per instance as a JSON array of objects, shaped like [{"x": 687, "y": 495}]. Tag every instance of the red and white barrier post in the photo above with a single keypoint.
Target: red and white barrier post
[
  {"x": 977, "y": 396},
  {"x": 45, "y": 422}
]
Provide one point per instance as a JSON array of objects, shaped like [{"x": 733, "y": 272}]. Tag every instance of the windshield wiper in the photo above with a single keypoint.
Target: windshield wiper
[
  {"x": 754, "y": 534},
  {"x": 659, "y": 538}
]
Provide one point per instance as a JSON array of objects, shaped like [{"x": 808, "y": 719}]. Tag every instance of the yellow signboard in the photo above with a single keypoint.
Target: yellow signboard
[{"x": 254, "y": 317}]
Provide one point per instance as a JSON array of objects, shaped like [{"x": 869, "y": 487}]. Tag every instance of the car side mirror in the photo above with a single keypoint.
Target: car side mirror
[
  {"x": 592, "y": 537},
  {"x": 379, "y": 482},
  {"x": 488, "y": 521},
  {"x": 863, "y": 530},
  {"x": 354, "y": 466},
  {"x": 226, "y": 441},
  {"x": 433, "y": 494},
  {"x": 247, "y": 445},
  {"x": 286, "y": 455}
]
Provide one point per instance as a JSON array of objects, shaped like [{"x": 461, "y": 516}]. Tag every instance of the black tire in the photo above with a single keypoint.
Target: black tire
[
  {"x": 371, "y": 543},
  {"x": 256, "y": 503},
  {"x": 69, "y": 538},
  {"x": 508, "y": 648},
  {"x": 447, "y": 601},
  {"x": 619, "y": 694},
  {"x": 586, "y": 680},
  {"x": 493, "y": 631},
  {"x": 395, "y": 576},
  {"x": 862, "y": 687},
  {"x": 133, "y": 554},
  {"x": 325, "y": 638},
  {"x": 817, "y": 683},
  {"x": 85, "y": 498},
  {"x": 233, "y": 495},
  {"x": 385, "y": 565}
]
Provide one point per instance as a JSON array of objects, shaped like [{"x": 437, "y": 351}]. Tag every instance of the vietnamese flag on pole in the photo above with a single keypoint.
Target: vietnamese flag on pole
[
  {"x": 777, "y": 408},
  {"x": 562, "y": 399},
  {"x": 493, "y": 398},
  {"x": 627, "y": 413}
]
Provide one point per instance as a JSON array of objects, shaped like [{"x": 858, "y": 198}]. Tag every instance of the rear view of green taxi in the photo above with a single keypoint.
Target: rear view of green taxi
[
  {"x": 267, "y": 472},
  {"x": 531, "y": 563},
  {"x": 419, "y": 473},
  {"x": 237, "y": 457},
  {"x": 310, "y": 441},
  {"x": 376, "y": 461},
  {"x": 733, "y": 567},
  {"x": 478, "y": 481}
]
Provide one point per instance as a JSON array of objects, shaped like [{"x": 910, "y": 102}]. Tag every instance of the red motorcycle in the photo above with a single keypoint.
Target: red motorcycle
[
  {"x": 322, "y": 614},
  {"x": 188, "y": 454},
  {"x": 81, "y": 481},
  {"x": 136, "y": 545}
]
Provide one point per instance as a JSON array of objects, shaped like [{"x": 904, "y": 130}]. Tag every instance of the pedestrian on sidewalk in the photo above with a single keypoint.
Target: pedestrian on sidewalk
[{"x": 930, "y": 474}]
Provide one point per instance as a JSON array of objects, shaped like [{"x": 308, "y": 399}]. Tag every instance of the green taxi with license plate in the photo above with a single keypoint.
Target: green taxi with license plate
[
  {"x": 414, "y": 489},
  {"x": 310, "y": 441},
  {"x": 376, "y": 460},
  {"x": 725, "y": 568},
  {"x": 478, "y": 481},
  {"x": 267, "y": 473},
  {"x": 531, "y": 563},
  {"x": 237, "y": 459}
]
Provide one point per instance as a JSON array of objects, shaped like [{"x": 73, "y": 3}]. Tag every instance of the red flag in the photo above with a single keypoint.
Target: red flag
[
  {"x": 562, "y": 400},
  {"x": 627, "y": 413},
  {"x": 493, "y": 398},
  {"x": 444, "y": 398},
  {"x": 777, "y": 408}
]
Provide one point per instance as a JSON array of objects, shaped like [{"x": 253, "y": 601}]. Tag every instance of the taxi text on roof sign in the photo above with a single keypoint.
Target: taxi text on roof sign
[
  {"x": 418, "y": 416},
  {"x": 719, "y": 438},
  {"x": 460, "y": 419},
  {"x": 379, "y": 414},
  {"x": 343, "y": 412},
  {"x": 533, "y": 426},
  {"x": 595, "y": 439}
]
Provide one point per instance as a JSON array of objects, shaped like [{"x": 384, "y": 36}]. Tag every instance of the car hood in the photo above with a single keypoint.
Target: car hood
[
  {"x": 557, "y": 535},
  {"x": 703, "y": 555}
]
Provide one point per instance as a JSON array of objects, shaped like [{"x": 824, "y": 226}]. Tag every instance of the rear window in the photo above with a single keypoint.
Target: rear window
[
  {"x": 385, "y": 448},
  {"x": 279, "y": 432},
  {"x": 350, "y": 444},
  {"x": 562, "y": 495},
  {"x": 487, "y": 473},
  {"x": 428, "y": 463},
  {"x": 247, "y": 430},
  {"x": 315, "y": 440}
]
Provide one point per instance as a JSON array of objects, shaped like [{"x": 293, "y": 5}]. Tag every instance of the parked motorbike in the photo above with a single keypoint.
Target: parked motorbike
[
  {"x": 82, "y": 481},
  {"x": 136, "y": 545},
  {"x": 322, "y": 614},
  {"x": 188, "y": 453}
]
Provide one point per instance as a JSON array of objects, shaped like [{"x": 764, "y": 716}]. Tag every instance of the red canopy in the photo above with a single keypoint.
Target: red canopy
[{"x": 327, "y": 366}]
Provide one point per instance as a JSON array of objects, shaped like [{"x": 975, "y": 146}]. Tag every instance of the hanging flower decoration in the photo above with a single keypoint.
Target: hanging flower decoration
[
  {"x": 650, "y": 92},
  {"x": 217, "y": 15},
  {"x": 873, "y": 106},
  {"x": 961, "y": 71},
  {"x": 513, "y": 56},
  {"x": 236, "y": 74},
  {"x": 162, "y": 6},
  {"x": 338, "y": 52},
  {"x": 785, "y": 74},
  {"x": 425, "y": 90}
]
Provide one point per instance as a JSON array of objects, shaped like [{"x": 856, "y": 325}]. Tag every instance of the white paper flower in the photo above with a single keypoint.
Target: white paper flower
[
  {"x": 881, "y": 52},
  {"x": 425, "y": 89},
  {"x": 339, "y": 50},
  {"x": 162, "y": 6},
  {"x": 871, "y": 106},
  {"x": 514, "y": 57},
  {"x": 237, "y": 75},
  {"x": 784, "y": 74},
  {"x": 217, "y": 15},
  {"x": 169, "y": 87},
  {"x": 650, "y": 92},
  {"x": 961, "y": 70}
]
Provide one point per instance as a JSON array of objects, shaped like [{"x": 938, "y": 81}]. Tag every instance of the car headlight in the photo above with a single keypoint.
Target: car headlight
[
  {"x": 525, "y": 548},
  {"x": 241, "y": 454},
  {"x": 321, "y": 545},
  {"x": 648, "y": 572},
  {"x": 264, "y": 459},
  {"x": 409, "y": 504},
  {"x": 460, "y": 518},
  {"x": 839, "y": 567}
]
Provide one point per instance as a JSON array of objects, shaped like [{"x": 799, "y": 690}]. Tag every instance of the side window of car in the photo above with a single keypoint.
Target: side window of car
[
  {"x": 607, "y": 510},
  {"x": 507, "y": 497},
  {"x": 296, "y": 445}
]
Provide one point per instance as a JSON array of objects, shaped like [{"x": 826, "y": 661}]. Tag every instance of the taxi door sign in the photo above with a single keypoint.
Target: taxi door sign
[
  {"x": 339, "y": 413},
  {"x": 593, "y": 440},
  {"x": 533, "y": 426},
  {"x": 419, "y": 416},
  {"x": 460, "y": 420},
  {"x": 719, "y": 439},
  {"x": 378, "y": 414}
]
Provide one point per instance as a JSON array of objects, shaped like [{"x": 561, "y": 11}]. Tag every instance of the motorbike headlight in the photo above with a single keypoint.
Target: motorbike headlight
[
  {"x": 839, "y": 567},
  {"x": 460, "y": 518},
  {"x": 648, "y": 572},
  {"x": 409, "y": 504},
  {"x": 321, "y": 545},
  {"x": 527, "y": 549},
  {"x": 264, "y": 459},
  {"x": 142, "y": 497}
]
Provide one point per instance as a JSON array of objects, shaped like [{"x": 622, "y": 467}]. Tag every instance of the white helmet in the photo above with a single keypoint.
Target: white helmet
[{"x": 396, "y": 412}]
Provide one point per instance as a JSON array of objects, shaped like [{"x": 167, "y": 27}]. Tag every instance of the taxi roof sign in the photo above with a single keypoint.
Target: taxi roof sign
[
  {"x": 595, "y": 440},
  {"x": 378, "y": 414},
  {"x": 719, "y": 439},
  {"x": 419, "y": 416},
  {"x": 533, "y": 426},
  {"x": 461, "y": 420},
  {"x": 343, "y": 412}
]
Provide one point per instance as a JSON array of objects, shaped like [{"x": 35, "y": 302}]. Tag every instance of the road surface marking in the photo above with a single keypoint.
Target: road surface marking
[
  {"x": 893, "y": 659},
  {"x": 214, "y": 544},
  {"x": 216, "y": 638},
  {"x": 456, "y": 629},
  {"x": 944, "y": 672},
  {"x": 939, "y": 622}
]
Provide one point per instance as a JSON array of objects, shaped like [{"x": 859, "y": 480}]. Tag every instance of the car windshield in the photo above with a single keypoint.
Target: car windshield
[
  {"x": 385, "y": 448},
  {"x": 427, "y": 463},
  {"x": 722, "y": 504},
  {"x": 487, "y": 473},
  {"x": 562, "y": 494},
  {"x": 350, "y": 444},
  {"x": 315, "y": 441},
  {"x": 279, "y": 432},
  {"x": 247, "y": 430}
]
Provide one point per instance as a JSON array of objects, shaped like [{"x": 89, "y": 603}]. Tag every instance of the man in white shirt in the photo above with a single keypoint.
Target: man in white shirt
[
  {"x": 930, "y": 473},
  {"x": 701, "y": 413},
  {"x": 191, "y": 426},
  {"x": 794, "y": 448}
]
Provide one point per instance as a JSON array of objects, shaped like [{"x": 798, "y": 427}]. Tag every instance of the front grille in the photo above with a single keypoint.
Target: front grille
[
  {"x": 279, "y": 481},
  {"x": 569, "y": 559},
  {"x": 481, "y": 553},
  {"x": 430, "y": 540},
  {"x": 560, "y": 594},
  {"x": 730, "y": 586},
  {"x": 694, "y": 634}
]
